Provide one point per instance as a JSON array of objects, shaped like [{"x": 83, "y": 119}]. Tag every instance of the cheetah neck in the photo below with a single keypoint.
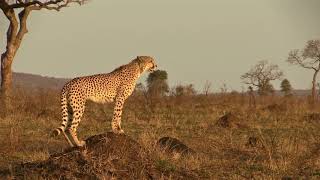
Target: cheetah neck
[{"x": 141, "y": 68}]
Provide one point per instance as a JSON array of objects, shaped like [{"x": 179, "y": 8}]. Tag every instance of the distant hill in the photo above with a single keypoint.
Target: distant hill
[
  {"x": 296, "y": 92},
  {"x": 33, "y": 81},
  {"x": 301, "y": 92}
]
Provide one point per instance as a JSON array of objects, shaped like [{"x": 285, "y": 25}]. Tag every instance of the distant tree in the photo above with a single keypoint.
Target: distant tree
[
  {"x": 179, "y": 90},
  {"x": 267, "y": 89},
  {"x": 286, "y": 87},
  {"x": 17, "y": 12},
  {"x": 207, "y": 88},
  {"x": 190, "y": 90},
  {"x": 261, "y": 75},
  {"x": 224, "y": 88},
  {"x": 139, "y": 89},
  {"x": 185, "y": 90},
  {"x": 157, "y": 83},
  {"x": 308, "y": 58}
]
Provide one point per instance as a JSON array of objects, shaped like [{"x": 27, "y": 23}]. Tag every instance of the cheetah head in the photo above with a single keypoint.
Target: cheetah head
[{"x": 147, "y": 62}]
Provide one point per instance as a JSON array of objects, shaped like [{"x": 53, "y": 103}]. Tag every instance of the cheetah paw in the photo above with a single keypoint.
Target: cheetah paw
[
  {"x": 118, "y": 131},
  {"x": 81, "y": 144},
  {"x": 121, "y": 131}
]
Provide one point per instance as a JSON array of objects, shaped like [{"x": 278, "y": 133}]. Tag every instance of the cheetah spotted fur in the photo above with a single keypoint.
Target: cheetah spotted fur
[{"x": 115, "y": 86}]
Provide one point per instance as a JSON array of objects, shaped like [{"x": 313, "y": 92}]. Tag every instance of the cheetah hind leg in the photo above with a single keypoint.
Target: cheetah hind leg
[
  {"x": 67, "y": 138},
  {"x": 74, "y": 139},
  {"x": 116, "y": 120},
  {"x": 116, "y": 128},
  {"x": 120, "y": 130}
]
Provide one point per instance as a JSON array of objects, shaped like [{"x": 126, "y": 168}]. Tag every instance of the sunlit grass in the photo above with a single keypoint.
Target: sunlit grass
[{"x": 286, "y": 141}]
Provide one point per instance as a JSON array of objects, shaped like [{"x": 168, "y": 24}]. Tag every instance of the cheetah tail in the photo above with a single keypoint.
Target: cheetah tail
[
  {"x": 64, "y": 110},
  {"x": 56, "y": 132}
]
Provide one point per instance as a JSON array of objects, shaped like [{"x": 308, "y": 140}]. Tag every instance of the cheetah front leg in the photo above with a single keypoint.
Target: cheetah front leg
[{"x": 116, "y": 120}]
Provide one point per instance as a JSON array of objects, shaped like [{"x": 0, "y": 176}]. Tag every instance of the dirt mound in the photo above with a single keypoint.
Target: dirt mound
[
  {"x": 105, "y": 156},
  {"x": 230, "y": 120},
  {"x": 313, "y": 117},
  {"x": 173, "y": 145},
  {"x": 254, "y": 142},
  {"x": 308, "y": 165},
  {"x": 275, "y": 108}
]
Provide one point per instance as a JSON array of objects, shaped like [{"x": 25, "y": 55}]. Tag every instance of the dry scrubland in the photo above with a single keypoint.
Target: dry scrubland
[{"x": 277, "y": 139}]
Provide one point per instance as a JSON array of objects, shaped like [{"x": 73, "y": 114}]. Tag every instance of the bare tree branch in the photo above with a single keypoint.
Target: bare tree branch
[
  {"x": 308, "y": 58},
  {"x": 4, "y": 5},
  {"x": 37, "y": 4},
  {"x": 57, "y": 6},
  {"x": 296, "y": 59},
  {"x": 23, "y": 15},
  {"x": 312, "y": 50}
]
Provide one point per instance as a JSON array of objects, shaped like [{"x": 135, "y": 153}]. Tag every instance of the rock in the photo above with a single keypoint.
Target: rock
[{"x": 173, "y": 145}]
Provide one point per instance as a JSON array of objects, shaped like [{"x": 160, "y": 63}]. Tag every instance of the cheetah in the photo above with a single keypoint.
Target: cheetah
[{"x": 115, "y": 86}]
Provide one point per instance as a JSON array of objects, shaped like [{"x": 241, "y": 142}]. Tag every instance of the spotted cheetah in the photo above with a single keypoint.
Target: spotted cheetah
[{"x": 115, "y": 86}]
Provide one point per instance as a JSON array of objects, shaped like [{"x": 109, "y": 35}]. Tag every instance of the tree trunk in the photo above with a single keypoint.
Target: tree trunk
[
  {"x": 6, "y": 74},
  {"x": 6, "y": 82},
  {"x": 15, "y": 33},
  {"x": 314, "y": 89}
]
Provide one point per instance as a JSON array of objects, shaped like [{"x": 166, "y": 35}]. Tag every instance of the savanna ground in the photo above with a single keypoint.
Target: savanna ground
[{"x": 279, "y": 139}]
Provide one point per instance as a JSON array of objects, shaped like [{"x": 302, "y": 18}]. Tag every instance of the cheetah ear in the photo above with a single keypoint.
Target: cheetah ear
[
  {"x": 139, "y": 59},
  {"x": 140, "y": 63}
]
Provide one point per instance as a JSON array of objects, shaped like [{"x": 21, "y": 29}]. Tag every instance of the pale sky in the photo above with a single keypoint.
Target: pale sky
[{"x": 193, "y": 40}]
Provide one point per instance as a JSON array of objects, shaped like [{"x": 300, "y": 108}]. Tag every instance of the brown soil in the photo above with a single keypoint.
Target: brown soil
[{"x": 105, "y": 156}]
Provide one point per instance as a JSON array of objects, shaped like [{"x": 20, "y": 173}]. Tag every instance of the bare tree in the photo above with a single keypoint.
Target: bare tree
[
  {"x": 17, "y": 13},
  {"x": 261, "y": 75},
  {"x": 224, "y": 88},
  {"x": 308, "y": 58},
  {"x": 207, "y": 88}
]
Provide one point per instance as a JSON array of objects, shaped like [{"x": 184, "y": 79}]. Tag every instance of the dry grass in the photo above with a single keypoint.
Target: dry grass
[{"x": 269, "y": 142}]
